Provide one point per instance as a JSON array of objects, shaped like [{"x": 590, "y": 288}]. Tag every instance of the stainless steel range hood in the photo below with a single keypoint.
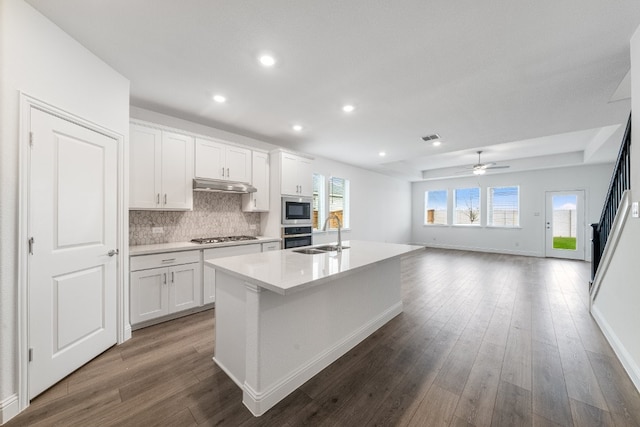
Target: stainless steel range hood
[{"x": 200, "y": 184}]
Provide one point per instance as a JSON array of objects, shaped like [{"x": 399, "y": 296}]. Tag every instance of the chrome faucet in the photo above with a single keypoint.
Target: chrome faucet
[{"x": 326, "y": 221}]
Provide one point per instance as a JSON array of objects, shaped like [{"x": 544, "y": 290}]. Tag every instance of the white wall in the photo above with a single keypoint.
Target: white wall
[
  {"x": 615, "y": 307},
  {"x": 528, "y": 239},
  {"x": 42, "y": 61}
]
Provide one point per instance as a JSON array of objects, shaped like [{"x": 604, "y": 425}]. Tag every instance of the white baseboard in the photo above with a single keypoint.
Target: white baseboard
[
  {"x": 9, "y": 408},
  {"x": 259, "y": 402},
  {"x": 629, "y": 365},
  {"x": 483, "y": 249}
]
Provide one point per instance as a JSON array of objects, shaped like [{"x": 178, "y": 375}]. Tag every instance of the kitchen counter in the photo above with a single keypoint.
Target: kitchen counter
[
  {"x": 186, "y": 246},
  {"x": 282, "y": 316},
  {"x": 287, "y": 271}
]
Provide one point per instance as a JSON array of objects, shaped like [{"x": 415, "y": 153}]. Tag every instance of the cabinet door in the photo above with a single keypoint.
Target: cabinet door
[
  {"x": 289, "y": 175},
  {"x": 210, "y": 159},
  {"x": 258, "y": 201},
  {"x": 177, "y": 171},
  {"x": 144, "y": 167},
  {"x": 305, "y": 177},
  {"x": 184, "y": 287},
  {"x": 149, "y": 295},
  {"x": 238, "y": 163}
]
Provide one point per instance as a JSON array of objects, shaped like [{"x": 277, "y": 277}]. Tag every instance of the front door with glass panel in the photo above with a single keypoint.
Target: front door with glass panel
[{"x": 564, "y": 224}]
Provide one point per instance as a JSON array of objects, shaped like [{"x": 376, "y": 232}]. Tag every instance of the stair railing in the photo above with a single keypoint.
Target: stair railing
[{"x": 620, "y": 181}]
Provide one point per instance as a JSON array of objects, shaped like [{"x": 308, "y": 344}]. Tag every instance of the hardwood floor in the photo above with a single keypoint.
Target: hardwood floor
[{"x": 484, "y": 340}]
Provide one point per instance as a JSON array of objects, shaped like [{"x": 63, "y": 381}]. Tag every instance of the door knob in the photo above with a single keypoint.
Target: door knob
[{"x": 113, "y": 252}]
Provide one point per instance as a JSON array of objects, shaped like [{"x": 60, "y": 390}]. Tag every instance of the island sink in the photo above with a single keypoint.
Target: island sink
[
  {"x": 309, "y": 251},
  {"x": 319, "y": 249}
]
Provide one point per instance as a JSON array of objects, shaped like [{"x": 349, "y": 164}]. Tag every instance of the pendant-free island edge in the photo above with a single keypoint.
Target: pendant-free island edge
[{"x": 283, "y": 316}]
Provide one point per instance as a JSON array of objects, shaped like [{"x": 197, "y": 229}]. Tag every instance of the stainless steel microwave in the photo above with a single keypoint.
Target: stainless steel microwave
[{"x": 297, "y": 210}]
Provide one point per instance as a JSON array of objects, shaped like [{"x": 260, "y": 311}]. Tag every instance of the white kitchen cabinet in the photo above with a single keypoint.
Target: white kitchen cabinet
[
  {"x": 270, "y": 246},
  {"x": 296, "y": 175},
  {"x": 209, "y": 285},
  {"x": 215, "y": 160},
  {"x": 164, "y": 284},
  {"x": 160, "y": 169},
  {"x": 258, "y": 201}
]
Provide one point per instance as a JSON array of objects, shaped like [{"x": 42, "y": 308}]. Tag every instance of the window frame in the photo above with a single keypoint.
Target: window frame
[
  {"x": 426, "y": 210},
  {"x": 346, "y": 201},
  {"x": 476, "y": 223},
  {"x": 320, "y": 198},
  {"x": 490, "y": 221}
]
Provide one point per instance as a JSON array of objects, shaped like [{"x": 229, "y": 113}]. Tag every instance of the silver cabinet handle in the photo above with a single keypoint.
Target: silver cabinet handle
[
  {"x": 165, "y": 278},
  {"x": 168, "y": 260},
  {"x": 158, "y": 199},
  {"x": 228, "y": 173},
  {"x": 173, "y": 277},
  {"x": 223, "y": 172},
  {"x": 113, "y": 252},
  {"x": 255, "y": 203},
  {"x": 165, "y": 198}
]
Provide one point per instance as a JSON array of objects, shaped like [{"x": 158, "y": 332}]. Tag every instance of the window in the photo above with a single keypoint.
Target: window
[
  {"x": 435, "y": 207},
  {"x": 466, "y": 206},
  {"x": 503, "y": 206},
  {"x": 339, "y": 201},
  {"x": 319, "y": 201}
]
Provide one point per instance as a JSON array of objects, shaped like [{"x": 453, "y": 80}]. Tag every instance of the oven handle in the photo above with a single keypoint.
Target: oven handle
[{"x": 286, "y": 236}]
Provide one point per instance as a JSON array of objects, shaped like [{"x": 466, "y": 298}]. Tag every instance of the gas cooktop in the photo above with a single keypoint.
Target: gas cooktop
[{"x": 222, "y": 239}]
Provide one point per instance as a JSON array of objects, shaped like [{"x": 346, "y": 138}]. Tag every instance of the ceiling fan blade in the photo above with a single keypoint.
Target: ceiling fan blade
[{"x": 497, "y": 167}]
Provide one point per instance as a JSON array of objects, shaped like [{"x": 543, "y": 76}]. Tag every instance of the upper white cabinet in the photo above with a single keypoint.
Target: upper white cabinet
[
  {"x": 160, "y": 169},
  {"x": 215, "y": 160},
  {"x": 258, "y": 201},
  {"x": 296, "y": 175}
]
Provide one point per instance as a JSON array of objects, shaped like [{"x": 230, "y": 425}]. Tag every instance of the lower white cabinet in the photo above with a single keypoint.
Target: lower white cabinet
[
  {"x": 163, "y": 284},
  {"x": 209, "y": 285}
]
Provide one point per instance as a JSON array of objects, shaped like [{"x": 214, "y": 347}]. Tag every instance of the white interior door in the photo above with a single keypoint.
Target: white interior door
[
  {"x": 73, "y": 222},
  {"x": 564, "y": 224}
]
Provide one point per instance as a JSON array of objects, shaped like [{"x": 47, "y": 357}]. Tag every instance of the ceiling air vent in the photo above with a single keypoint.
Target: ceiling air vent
[{"x": 431, "y": 137}]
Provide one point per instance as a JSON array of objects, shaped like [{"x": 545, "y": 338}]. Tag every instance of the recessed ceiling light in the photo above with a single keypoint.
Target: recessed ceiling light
[
  {"x": 221, "y": 99},
  {"x": 297, "y": 128},
  {"x": 436, "y": 143},
  {"x": 382, "y": 154},
  {"x": 267, "y": 60},
  {"x": 348, "y": 108}
]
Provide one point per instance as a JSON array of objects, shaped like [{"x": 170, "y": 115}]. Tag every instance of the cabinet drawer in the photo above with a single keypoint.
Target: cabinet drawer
[
  {"x": 271, "y": 246},
  {"x": 166, "y": 259}
]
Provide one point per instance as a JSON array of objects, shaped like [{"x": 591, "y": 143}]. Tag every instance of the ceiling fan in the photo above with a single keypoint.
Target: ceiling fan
[{"x": 480, "y": 168}]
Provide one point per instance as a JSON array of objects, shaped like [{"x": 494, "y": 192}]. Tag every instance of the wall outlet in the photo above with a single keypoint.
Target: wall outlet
[
  {"x": 157, "y": 230},
  {"x": 634, "y": 210}
]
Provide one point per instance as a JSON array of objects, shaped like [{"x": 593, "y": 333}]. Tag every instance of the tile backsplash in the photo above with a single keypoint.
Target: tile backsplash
[{"x": 214, "y": 214}]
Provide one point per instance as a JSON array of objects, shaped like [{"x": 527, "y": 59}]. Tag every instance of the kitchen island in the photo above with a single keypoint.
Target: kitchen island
[{"x": 283, "y": 316}]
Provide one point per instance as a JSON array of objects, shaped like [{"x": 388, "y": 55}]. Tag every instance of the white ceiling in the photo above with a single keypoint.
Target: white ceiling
[{"x": 519, "y": 80}]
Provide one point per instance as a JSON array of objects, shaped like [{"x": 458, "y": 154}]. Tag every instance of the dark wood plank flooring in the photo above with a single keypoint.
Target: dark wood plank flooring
[{"x": 484, "y": 340}]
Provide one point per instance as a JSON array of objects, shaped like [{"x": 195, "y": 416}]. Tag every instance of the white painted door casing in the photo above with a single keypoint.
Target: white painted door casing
[
  {"x": 72, "y": 279},
  {"x": 580, "y": 226}
]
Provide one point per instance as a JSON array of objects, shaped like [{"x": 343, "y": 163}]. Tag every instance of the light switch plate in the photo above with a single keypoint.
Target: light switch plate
[
  {"x": 157, "y": 230},
  {"x": 634, "y": 210}
]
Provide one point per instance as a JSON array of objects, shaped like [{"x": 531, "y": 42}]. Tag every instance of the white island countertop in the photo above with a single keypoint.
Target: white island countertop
[{"x": 287, "y": 271}]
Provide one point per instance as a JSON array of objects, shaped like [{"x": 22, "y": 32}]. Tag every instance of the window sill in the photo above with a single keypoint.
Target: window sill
[{"x": 436, "y": 225}]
